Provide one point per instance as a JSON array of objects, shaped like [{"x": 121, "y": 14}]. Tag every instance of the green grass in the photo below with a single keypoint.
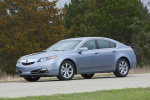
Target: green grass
[{"x": 124, "y": 94}]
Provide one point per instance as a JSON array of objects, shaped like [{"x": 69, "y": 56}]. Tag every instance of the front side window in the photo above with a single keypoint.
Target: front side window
[
  {"x": 90, "y": 45},
  {"x": 65, "y": 45},
  {"x": 103, "y": 44}
]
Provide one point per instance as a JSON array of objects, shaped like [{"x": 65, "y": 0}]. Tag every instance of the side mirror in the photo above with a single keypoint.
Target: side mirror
[{"x": 82, "y": 49}]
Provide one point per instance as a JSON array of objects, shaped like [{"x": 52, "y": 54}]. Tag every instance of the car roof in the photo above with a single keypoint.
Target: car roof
[
  {"x": 109, "y": 39},
  {"x": 82, "y": 38},
  {"x": 85, "y": 38}
]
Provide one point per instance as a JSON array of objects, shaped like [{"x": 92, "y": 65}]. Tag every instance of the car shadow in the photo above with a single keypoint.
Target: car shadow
[{"x": 52, "y": 79}]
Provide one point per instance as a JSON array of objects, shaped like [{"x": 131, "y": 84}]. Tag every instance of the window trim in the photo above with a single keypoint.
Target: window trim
[
  {"x": 108, "y": 42},
  {"x": 90, "y": 40}
]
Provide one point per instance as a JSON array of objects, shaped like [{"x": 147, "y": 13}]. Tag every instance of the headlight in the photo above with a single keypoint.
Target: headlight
[{"x": 47, "y": 58}]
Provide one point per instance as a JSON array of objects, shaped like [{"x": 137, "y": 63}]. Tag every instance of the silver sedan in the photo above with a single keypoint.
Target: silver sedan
[{"x": 85, "y": 56}]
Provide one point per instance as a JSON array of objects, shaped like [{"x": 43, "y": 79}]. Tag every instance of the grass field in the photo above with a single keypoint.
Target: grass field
[{"x": 123, "y": 94}]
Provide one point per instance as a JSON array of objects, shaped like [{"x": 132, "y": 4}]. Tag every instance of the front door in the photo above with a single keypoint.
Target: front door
[{"x": 89, "y": 61}]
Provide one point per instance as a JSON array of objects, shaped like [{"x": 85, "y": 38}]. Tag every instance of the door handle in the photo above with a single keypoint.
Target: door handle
[
  {"x": 114, "y": 51},
  {"x": 96, "y": 53}
]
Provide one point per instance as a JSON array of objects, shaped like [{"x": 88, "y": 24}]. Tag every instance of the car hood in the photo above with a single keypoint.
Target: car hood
[{"x": 39, "y": 55}]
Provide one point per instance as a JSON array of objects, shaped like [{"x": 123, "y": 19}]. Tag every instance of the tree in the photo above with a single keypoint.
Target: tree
[
  {"x": 27, "y": 26},
  {"x": 122, "y": 20},
  {"x": 141, "y": 39},
  {"x": 144, "y": 43},
  {"x": 109, "y": 18}
]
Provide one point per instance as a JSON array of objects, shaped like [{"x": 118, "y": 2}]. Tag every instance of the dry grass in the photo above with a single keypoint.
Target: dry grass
[
  {"x": 13, "y": 78},
  {"x": 139, "y": 70},
  {"x": 9, "y": 78}
]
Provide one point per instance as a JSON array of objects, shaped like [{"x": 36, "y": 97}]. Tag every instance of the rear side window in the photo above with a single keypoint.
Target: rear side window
[{"x": 103, "y": 44}]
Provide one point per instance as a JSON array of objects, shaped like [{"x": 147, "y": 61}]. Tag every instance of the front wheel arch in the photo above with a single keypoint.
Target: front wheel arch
[
  {"x": 64, "y": 69},
  {"x": 72, "y": 62}
]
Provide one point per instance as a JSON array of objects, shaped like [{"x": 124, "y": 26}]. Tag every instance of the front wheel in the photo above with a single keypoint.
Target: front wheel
[
  {"x": 31, "y": 79},
  {"x": 87, "y": 75},
  {"x": 122, "y": 68},
  {"x": 66, "y": 71}
]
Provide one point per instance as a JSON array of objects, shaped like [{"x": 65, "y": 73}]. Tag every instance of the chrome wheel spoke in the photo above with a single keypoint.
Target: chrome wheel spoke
[
  {"x": 123, "y": 67},
  {"x": 70, "y": 71},
  {"x": 70, "y": 67},
  {"x": 62, "y": 71},
  {"x": 63, "y": 67},
  {"x": 66, "y": 65},
  {"x": 121, "y": 71},
  {"x": 65, "y": 74},
  {"x": 120, "y": 68},
  {"x": 68, "y": 75}
]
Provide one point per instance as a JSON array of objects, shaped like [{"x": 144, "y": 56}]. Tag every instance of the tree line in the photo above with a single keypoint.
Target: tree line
[{"x": 28, "y": 26}]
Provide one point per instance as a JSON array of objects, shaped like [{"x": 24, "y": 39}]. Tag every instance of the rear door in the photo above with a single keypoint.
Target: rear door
[{"x": 107, "y": 52}]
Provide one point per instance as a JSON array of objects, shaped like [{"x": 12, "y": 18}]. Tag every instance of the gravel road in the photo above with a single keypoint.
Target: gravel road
[{"x": 50, "y": 87}]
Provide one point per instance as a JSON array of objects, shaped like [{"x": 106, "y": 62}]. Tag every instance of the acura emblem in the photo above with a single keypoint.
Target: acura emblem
[{"x": 26, "y": 61}]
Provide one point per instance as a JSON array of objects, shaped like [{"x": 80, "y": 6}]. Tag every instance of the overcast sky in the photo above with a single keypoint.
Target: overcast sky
[{"x": 62, "y": 2}]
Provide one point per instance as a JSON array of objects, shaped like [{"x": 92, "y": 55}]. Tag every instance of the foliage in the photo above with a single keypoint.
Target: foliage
[
  {"x": 122, "y": 20},
  {"x": 141, "y": 39},
  {"x": 110, "y": 18},
  {"x": 144, "y": 42},
  {"x": 27, "y": 26}
]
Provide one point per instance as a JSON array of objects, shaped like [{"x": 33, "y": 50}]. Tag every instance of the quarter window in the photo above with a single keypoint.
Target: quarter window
[
  {"x": 89, "y": 44},
  {"x": 113, "y": 45}
]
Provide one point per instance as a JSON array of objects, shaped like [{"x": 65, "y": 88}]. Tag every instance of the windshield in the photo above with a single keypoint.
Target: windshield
[{"x": 65, "y": 45}]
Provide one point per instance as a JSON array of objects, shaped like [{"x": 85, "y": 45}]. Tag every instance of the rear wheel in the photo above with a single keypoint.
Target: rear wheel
[
  {"x": 87, "y": 75},
  {"x": 122, "y": 68},
  {"x": 31, "y": 79},
  {"x": 66, "y": 71}
]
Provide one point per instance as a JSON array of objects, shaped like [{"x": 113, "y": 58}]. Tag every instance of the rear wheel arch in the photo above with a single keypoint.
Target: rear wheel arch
[
  {"x": 122, "y": 67},
  {"x": 125, "y": 58}
]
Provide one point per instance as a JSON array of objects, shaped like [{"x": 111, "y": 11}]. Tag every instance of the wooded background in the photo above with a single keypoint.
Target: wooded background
[{"x": 28, "y": 26}]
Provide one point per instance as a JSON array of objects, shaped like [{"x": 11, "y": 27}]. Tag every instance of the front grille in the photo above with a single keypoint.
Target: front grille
[{"x": 29, "y": 63}]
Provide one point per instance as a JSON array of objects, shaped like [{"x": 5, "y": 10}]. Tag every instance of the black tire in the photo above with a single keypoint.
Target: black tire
[
  {"x": 87, "y": 76},
  {"x": 31, "y": 79},
  {"x": 66, "y": 71},
  {"x": 122, "y": 68}
]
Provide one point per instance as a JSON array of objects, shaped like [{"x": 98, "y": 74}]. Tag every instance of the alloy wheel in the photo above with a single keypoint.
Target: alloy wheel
[{"x": 67, "y": 70}]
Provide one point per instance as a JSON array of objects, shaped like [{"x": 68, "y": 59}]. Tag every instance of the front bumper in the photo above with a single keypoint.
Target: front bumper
[{"x": 39, "y": 69}]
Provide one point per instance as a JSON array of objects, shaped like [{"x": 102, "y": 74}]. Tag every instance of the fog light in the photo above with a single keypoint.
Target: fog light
[
  {"x": 44, "y": 70},
  {"x": 18, "y": 72}
]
